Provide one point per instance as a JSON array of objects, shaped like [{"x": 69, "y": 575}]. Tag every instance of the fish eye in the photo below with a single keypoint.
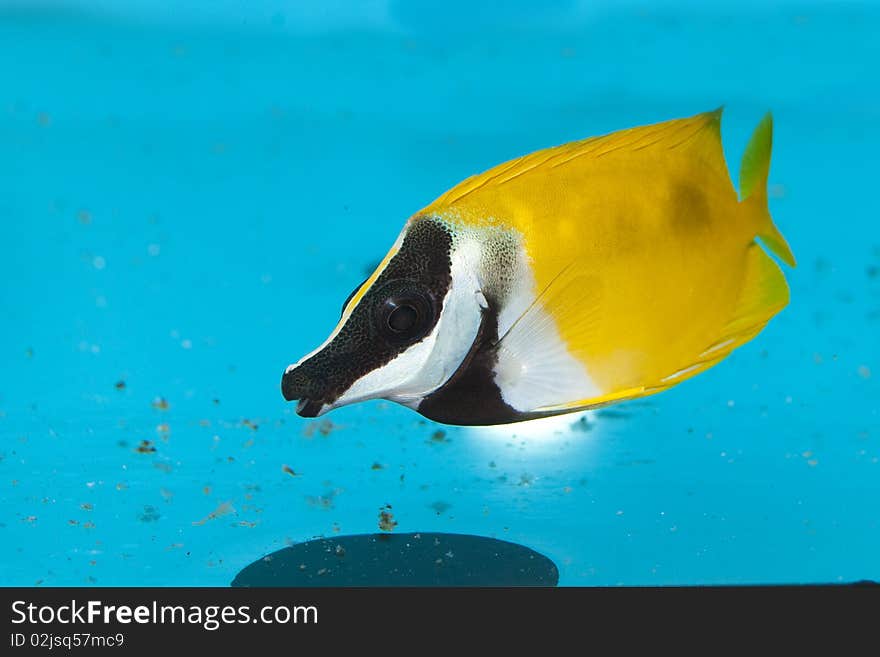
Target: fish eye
[
  {"x": 402, "y": 318},
  {"x": 405, "y": 316}
]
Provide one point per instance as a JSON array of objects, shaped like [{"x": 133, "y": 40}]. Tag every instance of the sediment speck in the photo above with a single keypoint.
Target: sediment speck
[{"x": 387, "y": 522}]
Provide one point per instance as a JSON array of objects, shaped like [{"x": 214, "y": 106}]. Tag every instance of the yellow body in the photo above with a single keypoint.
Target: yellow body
[{"x": 640, "y": 249}]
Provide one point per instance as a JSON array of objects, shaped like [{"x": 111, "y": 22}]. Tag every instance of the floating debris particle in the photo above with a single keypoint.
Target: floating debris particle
[
  {"x": 149, "y": 514},
  {"x": 146, "y": 447},
  {"x": 582, "y": 424},
  {"x": 387, "y": 522},
  {"x": 167, "y": 495},
  {"x": 246, "y": 523},
  {"x": 250, "y": 425},
  {"x": 864, "y": 372},
  {"x": 206, "y": 490},
  {"x": 29, "y": 352},
  {"x": 85, "y": 506},
  {"x": 290, "y": 471},
  {"x": 776, "y": 191},
  {"x": 121, "y": 485},
  {"x": 119, "y": 385},
  {"x": 204, "y": 423},
  {"x": 324, "y": 427},
  {"x": 339, "y": 551},
  {"x": 223, "y": 509},
  {"x": 73, "y": 522},
  {"x": 438, "y": 436},
  {"x": 377, "y": 466},
  {"x": 84, "y": 217},
  {"x": 163, "y": 428},
  {"x": 525, "y": 479},
  {"x": 88, "y": 524},
  {"x": 821, "y": 266},
  {"x": 613, "y": 415},
  {"x": 161, "y": 404},
  {"x": 324, "y": 501},
  {"x": 439, "y": 507}
]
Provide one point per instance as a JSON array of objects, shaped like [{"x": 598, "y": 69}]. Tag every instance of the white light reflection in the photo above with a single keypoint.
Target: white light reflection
[{"x": 543, "y": 434}]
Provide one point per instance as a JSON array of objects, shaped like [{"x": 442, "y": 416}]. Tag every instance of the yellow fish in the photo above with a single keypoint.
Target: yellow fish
[{"x": 574, "y": 277}]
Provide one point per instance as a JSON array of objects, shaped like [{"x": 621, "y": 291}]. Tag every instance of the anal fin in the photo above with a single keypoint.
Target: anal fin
[{"x": 764, "y": 293}]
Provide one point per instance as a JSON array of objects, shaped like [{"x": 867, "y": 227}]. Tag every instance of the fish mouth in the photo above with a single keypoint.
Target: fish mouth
[
  {"x": 308, "y": 408},
  {"x": 296, "y": 386}
]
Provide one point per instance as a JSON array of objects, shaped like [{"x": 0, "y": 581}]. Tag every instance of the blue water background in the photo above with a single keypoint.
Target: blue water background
[{"x": 188, "y": 195}]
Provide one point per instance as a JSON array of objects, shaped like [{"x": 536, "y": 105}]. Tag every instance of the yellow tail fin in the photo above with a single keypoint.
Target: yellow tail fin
[{"x": 753, "y": 187}]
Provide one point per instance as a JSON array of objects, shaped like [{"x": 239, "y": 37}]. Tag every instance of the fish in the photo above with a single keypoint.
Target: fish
[{"x": 571, "y": 278}]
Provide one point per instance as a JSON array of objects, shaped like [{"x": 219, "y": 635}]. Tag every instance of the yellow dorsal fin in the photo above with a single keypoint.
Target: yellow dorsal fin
[{"x": 701, "y": 131}]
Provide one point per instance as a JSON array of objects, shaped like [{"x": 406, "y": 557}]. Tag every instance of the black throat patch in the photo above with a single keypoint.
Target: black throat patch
[{"x": 471, "y": 396}]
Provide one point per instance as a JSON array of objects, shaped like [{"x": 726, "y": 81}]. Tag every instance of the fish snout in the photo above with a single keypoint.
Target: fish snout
[{"x": 296, "y": 384}]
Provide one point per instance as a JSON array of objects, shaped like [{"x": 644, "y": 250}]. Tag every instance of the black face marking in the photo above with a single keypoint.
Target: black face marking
[
  {"x": 417, "y": 277},
  {"x": 471, "y": 396},
  {"x": 351, "y": 296}
]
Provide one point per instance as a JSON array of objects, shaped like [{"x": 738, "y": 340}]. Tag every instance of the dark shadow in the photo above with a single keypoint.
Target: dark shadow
[{"x": 421, "y": 559}]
